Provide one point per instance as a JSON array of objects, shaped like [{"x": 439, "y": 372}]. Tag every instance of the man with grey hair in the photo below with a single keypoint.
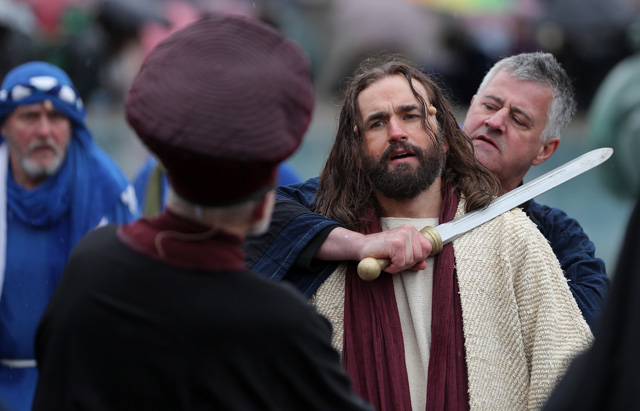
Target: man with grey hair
[
  {"x": 56, "y": 185},
  {"x": 515, "y": 121},
  {"x": 517, "y": 114}
]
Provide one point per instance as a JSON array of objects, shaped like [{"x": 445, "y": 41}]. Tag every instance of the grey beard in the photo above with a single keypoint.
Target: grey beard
[{"x": 38, "y": 172}]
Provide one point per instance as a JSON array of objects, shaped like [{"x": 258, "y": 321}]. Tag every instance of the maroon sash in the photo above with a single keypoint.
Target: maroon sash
[
  {"x": 373, "y": 351},
  {"x": 183, "y": 243}
]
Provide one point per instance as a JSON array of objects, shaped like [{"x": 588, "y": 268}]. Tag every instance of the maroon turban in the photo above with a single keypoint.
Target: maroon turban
[{"x": 221, "y": 103}]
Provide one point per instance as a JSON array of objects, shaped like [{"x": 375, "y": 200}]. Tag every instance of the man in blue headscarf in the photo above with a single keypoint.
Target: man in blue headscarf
[{"x": 55, "y": 186}]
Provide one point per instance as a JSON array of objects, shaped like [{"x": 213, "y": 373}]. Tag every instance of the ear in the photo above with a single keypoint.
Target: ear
[
  {"x": 356, "y": 156},
  {"x": 445, "y": 146},
  {"x": 264, "y": 207},
  {"x": 546, "y": 150}
]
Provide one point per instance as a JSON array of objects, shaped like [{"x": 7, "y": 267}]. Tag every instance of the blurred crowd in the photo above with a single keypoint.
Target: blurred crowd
[{"x": 101, "y": 43}]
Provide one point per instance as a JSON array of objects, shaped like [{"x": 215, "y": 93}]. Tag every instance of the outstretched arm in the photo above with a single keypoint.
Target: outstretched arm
[
  {"x": 308, "y": 243},
  {"x": 294, "y": 235}
]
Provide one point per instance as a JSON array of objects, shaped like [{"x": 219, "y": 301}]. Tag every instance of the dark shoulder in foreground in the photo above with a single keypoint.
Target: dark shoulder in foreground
[
  {"x": 101, "y": 258},
  {"x": 203, "y": 339}
]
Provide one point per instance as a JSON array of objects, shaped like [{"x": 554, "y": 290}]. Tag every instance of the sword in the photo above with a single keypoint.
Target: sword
[{"x": 369, "y": 268}]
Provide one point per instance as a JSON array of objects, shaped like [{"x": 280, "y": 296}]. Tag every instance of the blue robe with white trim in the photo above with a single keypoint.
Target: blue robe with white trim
[{"x": 37, "y": 250}]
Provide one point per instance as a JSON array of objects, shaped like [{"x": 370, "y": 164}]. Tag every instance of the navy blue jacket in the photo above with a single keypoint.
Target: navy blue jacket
[{"x": 286, "y": 251}]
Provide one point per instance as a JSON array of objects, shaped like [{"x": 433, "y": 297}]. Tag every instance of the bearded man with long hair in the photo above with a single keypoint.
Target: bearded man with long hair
[
  {"x": 346, "y": 186},
  {"x": 489, "y": 322}
]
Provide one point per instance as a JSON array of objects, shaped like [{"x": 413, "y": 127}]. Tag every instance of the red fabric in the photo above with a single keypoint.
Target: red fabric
[
  {"x": 373, "y": 349},
  {"x": 447, "y": 382},
  {"x": 183, "y": 243}
]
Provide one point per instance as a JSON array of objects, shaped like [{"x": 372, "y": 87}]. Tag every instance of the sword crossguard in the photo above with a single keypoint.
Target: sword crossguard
[
  {"x": 369, "y": 268},
  {"x": 434, "y": 238}
]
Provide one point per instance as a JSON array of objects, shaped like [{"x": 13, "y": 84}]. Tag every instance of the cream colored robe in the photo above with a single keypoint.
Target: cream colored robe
[{"x": 521, "y": 323}]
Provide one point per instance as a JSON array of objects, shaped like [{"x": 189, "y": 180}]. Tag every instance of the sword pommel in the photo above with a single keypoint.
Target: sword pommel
[{"x": 369, "y": 268}]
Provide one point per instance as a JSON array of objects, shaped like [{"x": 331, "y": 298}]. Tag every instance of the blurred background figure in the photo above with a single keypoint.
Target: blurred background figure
[
  {"x": 56, "y": 185},
  {"x": 589, "y": 36},
  {"x": 606, "y": 377},
  {"x": 614, "y": 119},
  {"x": 17, "y": 35},
  {"x": 452, "y": 37}
]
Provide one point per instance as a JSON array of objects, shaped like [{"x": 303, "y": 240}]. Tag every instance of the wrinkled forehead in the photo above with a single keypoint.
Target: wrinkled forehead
[
  {"x": 504, "y": 86},
  {"x": 44, "y": 107}
]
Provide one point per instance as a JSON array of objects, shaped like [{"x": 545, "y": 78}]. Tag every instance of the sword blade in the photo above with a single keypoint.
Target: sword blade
[
  {"x": 455, "y": 228},
  {"x": 369, "y": 268}
]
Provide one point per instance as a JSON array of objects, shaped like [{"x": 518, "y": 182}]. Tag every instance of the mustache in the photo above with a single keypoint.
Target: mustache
[
  {"x": 47, "y": 143},
  {"x": 385, "y": 159}
]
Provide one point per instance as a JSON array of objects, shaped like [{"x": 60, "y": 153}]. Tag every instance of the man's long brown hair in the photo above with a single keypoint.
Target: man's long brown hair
[{"x": 345, "y": 191}]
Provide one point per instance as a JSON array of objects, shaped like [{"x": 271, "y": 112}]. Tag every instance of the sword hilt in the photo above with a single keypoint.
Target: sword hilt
[{"x": 369, "y": 268}]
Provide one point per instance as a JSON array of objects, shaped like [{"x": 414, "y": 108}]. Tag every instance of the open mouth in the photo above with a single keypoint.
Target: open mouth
[
  {"x": 401, "y": 155},
  {"x": 42, "y": 151},
  {"x": 487, "y": 140}
]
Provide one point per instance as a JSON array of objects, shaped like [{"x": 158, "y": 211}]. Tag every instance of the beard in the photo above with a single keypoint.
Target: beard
[
  {"x": 36, "y": 171},
  {"x": 402, "y": 182}
]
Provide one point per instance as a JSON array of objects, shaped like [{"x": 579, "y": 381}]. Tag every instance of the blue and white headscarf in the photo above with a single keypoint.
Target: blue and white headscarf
[{"x": 37, "y": 81}]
